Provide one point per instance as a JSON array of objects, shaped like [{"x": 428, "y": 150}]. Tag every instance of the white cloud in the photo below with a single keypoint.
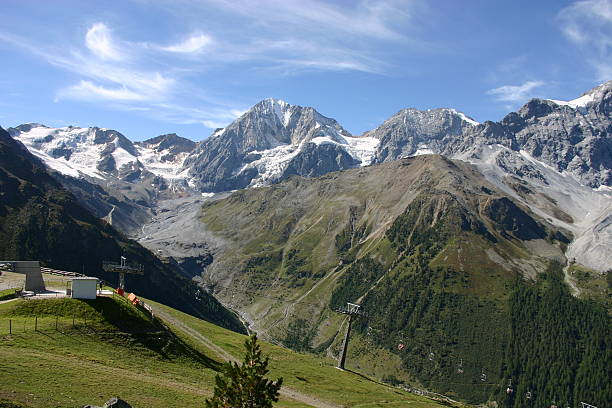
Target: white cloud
[
  {"x": 130, "y": 87},
  {"x": 112, "y": 81},
  {"x": 194, "y": 43},
  {"x": 292, "y": 66},
  {"x": 286, "y": 37},
  {"x": 515, "y": 93},
  {"x": 211, "y": 124},
  {"x": 87, "y": 91},
  {"x": 99, "y": 41},
  {"x": 305, "y": 35},
  {"x": 588, "y": 25},
  {"x": 603, "y": 70},
  {"x": 367, "y": 19},
  {"x": 212, "y": 117}
]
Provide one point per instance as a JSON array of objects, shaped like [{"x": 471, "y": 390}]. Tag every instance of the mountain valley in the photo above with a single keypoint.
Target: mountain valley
[{"x": 456, "y": 238}]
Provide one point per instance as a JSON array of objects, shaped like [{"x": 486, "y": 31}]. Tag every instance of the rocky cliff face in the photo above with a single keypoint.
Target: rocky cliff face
[
  {"x": 268, "y": 143},
  {"x": 560, "y": 149},
  {"x": 411, "y": 132},
  {"x": 104, "y": 154},
  {"x": 421, "y": 243},
  {"x": 553, "y": 156},
  {"x": 170, "y": 147},
  {"x": 572, "y": 137}
]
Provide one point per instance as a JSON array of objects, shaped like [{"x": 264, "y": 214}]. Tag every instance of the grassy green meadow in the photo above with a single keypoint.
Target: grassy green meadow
[{"x": 84, "y": 352}]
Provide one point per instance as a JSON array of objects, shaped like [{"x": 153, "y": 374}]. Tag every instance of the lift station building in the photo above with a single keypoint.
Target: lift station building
[{"x": 84, "y": 288}]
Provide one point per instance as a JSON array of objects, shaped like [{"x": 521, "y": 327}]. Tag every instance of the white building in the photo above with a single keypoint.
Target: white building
[{"x": 84, "y": 288}]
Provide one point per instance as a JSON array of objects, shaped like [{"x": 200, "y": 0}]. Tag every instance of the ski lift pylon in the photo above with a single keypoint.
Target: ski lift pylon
[{"x": 509, "y": 390}]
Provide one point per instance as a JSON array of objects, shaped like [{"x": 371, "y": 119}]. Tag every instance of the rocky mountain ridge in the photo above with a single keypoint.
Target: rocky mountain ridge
[
  {"x": 274, "y": 140},
  {"x": 572, "y": 137},
  {"x": 99, "y": 153},
  {"x": 560, "y": 151},
  {"x": 270, "y": 142},
  {"x": 412, "y": 132},
  {"x": 114, "y": 178}
]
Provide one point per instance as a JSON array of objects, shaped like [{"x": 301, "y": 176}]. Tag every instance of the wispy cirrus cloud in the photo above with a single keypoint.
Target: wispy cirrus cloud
[
  {"x": 588, "y": 25},
  {"x": 308, "y": 35},
  {"x": 168, "y": 78},
  {"x": 123, "y": 85},
  {"x": 365, "y": 19},
  {"x": 194, "y": 43},
  {"x": 86, "y": 90},
  {"x": 211, "y": 117},
  {"x": 121, "y": 81},
  {"x": 515, "y": 93},
  {"x": 99, "y": 41}
]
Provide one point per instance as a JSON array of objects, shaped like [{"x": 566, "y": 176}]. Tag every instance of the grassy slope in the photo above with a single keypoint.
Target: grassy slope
[
  {"x": 119, "y": 352},
  {"x": 305, "y": 373},
  {"x": 592, "y": 284}
]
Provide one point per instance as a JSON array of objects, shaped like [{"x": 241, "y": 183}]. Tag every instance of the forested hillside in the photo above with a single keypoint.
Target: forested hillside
[
  {"x": 560, "y": 348},
  {"x": 434, "y": 254}
]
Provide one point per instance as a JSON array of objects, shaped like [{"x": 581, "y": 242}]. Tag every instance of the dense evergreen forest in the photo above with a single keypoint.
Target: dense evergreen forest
[
  {"x": 547, "y": 346},
  {"x": 560, "y": 347},
  {"x": 530, "y": 336}
]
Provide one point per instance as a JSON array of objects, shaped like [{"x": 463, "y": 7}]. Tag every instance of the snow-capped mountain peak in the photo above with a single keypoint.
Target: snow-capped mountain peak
[
  {"x": 589, "y": 97},
  {"x": 102, "y": 153},
  {"x": 412, "y": 132},
  {"x": 272, "y": 140}
]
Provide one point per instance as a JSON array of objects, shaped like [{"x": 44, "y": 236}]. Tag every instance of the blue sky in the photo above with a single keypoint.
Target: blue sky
[{"x": 148, "y": 67}]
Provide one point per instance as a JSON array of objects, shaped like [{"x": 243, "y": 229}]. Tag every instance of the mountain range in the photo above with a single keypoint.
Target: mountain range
[
  {"x": 553, "y": 156},
  {"x": 274, "y": 140},
  {"x": 447, "y": 231}
]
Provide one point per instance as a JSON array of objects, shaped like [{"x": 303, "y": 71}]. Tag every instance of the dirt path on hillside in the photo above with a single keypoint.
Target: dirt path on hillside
[
  {"x": 285, "y": 391},
  {"x": 575, "y": 290},
  {"x": 160, "y": 312}
]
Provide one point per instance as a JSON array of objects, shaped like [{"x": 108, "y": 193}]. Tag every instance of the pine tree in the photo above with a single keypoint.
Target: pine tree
[{"x": 244, "y": 386}]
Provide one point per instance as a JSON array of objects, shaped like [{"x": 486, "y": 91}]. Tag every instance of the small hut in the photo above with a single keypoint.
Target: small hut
[{"x": 84, "y": 288}]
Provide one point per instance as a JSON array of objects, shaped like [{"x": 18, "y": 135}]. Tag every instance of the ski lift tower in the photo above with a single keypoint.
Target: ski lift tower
[
  {"x": 122, "y": 268},
  {"x": 351, "y": 310}
]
